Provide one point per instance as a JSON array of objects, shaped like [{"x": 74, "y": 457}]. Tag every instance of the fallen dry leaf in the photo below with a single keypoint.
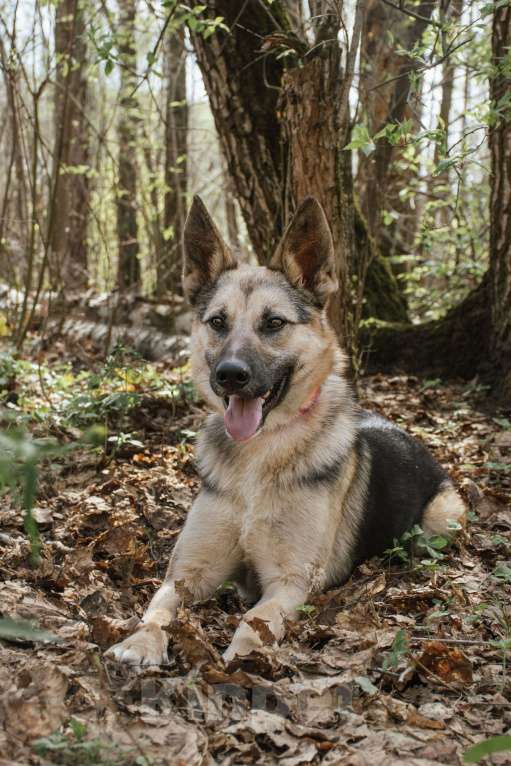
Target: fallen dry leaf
[{"x": 447, "y": 663}]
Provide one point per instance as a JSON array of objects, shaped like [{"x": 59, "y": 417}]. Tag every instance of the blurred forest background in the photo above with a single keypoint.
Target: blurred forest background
[{"x": 394, "y": 115}]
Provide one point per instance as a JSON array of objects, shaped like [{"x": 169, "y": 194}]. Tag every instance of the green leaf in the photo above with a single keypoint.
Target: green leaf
[
  {"x": 504, "y": 644},
  {"x": 444, "y": 165},
  {"x": 78, "y": 728},
  {"x": 499, "y": 744},
  {"x": 360, "y": 139},
  {"x": 399, "y": 648},
  {"x": 366, "y": 685},
  {"x": 17, "y": 630},
  {"x": 437, "y": 542},
  {"x": 502, "y": 572}
]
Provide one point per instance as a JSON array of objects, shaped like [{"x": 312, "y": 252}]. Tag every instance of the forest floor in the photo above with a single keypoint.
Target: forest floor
[{"x": 406, "y": 663}]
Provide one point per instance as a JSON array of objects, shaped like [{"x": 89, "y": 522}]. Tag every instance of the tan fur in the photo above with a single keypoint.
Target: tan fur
[
  {"x": 287, "y": 534},
  {"x": 261, "y": 508},
  {"x": 445, "y": 510}
]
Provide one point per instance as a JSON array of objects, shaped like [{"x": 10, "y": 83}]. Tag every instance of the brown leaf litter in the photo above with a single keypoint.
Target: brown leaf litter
[{"x": 339, "y": 690}]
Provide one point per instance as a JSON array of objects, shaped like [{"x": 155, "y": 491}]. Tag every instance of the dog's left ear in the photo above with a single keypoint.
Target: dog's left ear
[
  {"x": 306, "y": 252},
  {"x": 206, "y": 255}
]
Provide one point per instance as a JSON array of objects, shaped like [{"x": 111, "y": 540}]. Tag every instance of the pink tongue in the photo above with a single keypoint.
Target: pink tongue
[{"x": 242, "y": 417}]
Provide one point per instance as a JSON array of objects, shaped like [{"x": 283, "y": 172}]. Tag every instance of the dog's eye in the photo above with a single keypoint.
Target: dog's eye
[
  {"x": 217, "y": 323},
  {"x": 275, "y": 323}
]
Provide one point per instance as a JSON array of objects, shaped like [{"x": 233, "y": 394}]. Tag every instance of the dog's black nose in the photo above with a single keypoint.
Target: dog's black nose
[{"x": 232, "y": 375}]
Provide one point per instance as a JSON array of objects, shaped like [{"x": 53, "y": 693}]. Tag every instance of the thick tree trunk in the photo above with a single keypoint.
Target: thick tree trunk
[
  {"x": 128, "y": 270},
  {"x": 283, "y": 131},
  {"x": 176, "y": 131},
  {"x": 312, "y": 116},
  {"x": 475, "y": 336},
  {"x": 242, "y": 83},
  {"x": 500, "y": 202},
  {"x": 71, "y": 150},
  {"x": 455, "y": 346}
]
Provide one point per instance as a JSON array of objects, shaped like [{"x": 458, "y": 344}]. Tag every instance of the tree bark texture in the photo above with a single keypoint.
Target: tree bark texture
[
  {"x": 283, "y": 130},
  {"x": 128, "y": 269},
  {"x": 243, "y": 85},
  {"x": 500, "y": 201},
  {"x": 315, "y": 137},
  {"x": 176, "y": 130},
  {"x": 475, "y": 336},
  {"x": 70, "y": 200},
  {"x": 386, "y": 97}
]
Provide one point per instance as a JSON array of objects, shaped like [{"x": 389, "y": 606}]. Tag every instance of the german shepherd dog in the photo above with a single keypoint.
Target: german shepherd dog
[{"x": 299, "y": 484}]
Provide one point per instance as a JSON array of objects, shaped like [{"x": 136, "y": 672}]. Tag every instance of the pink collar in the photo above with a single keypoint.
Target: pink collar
[{"x": 310, "y": 402}]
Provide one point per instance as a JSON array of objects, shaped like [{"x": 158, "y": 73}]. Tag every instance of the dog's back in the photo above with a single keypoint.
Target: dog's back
[{"x": 405, "y": 486}]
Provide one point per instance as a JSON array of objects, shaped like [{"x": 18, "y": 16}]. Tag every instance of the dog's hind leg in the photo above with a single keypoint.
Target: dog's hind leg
[
  {"x": 205, "y": 555},
  {"x": 444, "y": 512}
]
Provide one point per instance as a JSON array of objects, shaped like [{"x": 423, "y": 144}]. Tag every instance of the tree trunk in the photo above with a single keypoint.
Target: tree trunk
[
  {"x": 451, "y": 11},
  {"x": 386, "y": 96},
  {"x": 243, "y": 84},
  {"x": 312, "y": 116},
  {"x": 455, "y": 346},
  {"x": 128, "y": 271},
  {"x": 176, "y": 131},
  {"x": 15, "y": 172},
  {"x": 500, "y": 202},
  {"x": 70, "y": 198},
  {"x": 475, "y": 336},
  {"x": 268, "y": 118}
]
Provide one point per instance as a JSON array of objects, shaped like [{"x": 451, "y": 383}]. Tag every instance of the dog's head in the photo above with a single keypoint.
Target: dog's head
[{"x": 261, "y": 345}]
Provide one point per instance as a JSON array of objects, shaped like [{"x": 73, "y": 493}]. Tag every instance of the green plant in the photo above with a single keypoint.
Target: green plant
[
  {"x": 72, "y": 748},
  {"x": 19, "y": 630},
  {"x": 400, "y": 647},
  {"x": 476, "y": 753},
  {"x": 401, "y": 546},
  {"x": 20, "y": 455}
]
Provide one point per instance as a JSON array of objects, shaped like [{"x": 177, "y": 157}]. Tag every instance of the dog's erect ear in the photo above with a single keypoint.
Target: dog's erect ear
[
  {"x": 306, "y": 252},
  {"x": 206, "y": 255}
]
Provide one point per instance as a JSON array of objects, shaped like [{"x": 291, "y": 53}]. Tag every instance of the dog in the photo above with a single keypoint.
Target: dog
[{"x": 299, "y": 484}]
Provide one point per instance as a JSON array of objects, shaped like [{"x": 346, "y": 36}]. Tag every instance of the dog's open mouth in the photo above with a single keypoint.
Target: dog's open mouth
[{"x": 244, "y": 417}]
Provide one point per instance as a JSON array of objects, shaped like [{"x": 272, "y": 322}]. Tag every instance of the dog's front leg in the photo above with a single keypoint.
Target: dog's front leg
[
  {"x": 206, "y": 554},
  {"x": 264, "y": 623},
  {"x": 289, "y": 544}
]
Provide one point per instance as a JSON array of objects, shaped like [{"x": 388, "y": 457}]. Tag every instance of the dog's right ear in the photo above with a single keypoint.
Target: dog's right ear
[
  {"x": 306, "y": 252},
  {"x": 206, "y": 255}
]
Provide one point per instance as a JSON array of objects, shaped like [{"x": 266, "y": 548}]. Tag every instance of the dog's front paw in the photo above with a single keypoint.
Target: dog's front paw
[
  {"x": 148, "y": 646},
  {"x": 245, "y": 641}
]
